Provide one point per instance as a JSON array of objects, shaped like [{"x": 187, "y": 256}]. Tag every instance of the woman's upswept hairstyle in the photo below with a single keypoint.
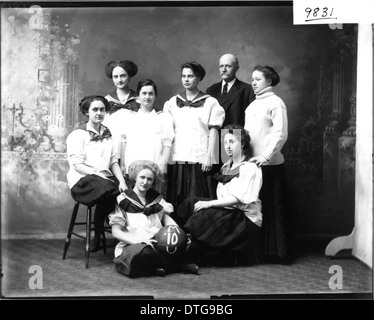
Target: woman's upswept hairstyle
[
  {"x": 241, "y": 134},
  {"x": 130, "y": 67},
  {"x": 136, "y": 166},
  {"x": 269, "y": 74},
  {"x": 85, "y": 103},
  {"x": 196, "y": 68}
]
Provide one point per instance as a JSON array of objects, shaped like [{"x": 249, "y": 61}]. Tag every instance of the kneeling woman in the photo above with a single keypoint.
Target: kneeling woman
[
  {"x": 232, "y": 222},
  {"x": 139, "y": 215}
]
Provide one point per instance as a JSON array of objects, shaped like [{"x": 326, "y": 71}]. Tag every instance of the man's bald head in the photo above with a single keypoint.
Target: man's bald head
[
  {"x": 230, "y": 57},
  {"x": 228, "y": 66}
]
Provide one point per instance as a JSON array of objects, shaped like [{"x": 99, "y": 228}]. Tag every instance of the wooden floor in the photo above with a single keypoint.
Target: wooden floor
[{"x": 309, "y": 275}]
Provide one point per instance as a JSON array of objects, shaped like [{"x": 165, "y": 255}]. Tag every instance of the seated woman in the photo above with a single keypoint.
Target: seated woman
[
  {"x": 232, "y": 222},
  {"x": 139, "y": 215},
  {"x": 95, "y": 177}
]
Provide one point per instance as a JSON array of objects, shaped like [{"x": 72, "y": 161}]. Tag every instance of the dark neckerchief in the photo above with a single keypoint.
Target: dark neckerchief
[
  {"x": 132, "y": 203},
  {"x": 130, "y": 104},
  {"x": 97, "y": 137},
  {"x": 226, "y": 174},
  {"x": 198, "y": 101}
]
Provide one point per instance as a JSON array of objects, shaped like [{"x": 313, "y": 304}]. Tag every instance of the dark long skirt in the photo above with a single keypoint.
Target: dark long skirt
[
  {"x": 94, "y": 190},
  {"x": 274, "y": 209},
  {"x": 141, "y": 260},
  {"x": 219, "y": 230},
  {"x": 187, "y": 180}
]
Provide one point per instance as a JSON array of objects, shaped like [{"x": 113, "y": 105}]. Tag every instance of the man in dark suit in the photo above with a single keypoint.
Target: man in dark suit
[
  {"x": 233, "y": 95},
  {"x": 238, "y": 95}
]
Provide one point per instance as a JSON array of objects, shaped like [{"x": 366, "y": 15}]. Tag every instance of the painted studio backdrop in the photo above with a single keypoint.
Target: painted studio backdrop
[{"x": 52, "y": 57}]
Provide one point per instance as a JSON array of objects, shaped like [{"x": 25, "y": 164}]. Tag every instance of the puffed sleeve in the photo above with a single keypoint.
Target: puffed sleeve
[
  {"x": 167, "y": 106},
  {"x": 115, "y": 150},
  {"x": 279, "y": 132},
  {"x": 75, "y": 147},
  {"x": 217, "y": 114},
  {"x": 168, "y": 207},
  {"x": 128, "y": 121},
  {"x": 117, "y": 217},
  {"x": 247, "y": 186},
  {"x": 167, "y": 129}
]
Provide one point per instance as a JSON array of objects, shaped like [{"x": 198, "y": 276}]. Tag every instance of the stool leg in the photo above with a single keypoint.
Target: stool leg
[
  {"x": 104, "y": 241},
  {"x": 88, "y": 235},
  {"x": 71, "y": 227}
]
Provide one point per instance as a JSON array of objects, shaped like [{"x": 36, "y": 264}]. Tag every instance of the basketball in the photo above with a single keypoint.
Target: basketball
[{"x": 171, "y": 240}]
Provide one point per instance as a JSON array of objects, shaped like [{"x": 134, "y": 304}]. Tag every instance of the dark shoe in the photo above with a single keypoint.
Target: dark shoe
[
  {"x": 191, "y": 268},
  {"x": 95, "y": 244},
  {"x": 160, "y": 272}
]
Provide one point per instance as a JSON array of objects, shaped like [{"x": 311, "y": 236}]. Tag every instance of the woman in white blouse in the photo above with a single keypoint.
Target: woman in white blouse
[
  {"x": 232, "y": 222},
  {"x": 140, "y": 214},
  {"x": 196, "y": 118},
  {"x": 150, "y": 133},
  {"x": 95, "y": 177},
  {"x": 266, "y": 121},
  {"x": 123, "y": 100}
]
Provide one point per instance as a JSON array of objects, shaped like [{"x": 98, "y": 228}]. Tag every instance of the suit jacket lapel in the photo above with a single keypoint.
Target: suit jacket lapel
[{"x": 226, "y": 101}]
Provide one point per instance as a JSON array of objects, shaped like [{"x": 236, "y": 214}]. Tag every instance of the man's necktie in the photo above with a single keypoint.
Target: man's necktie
[{"x": 224, "y": 89}]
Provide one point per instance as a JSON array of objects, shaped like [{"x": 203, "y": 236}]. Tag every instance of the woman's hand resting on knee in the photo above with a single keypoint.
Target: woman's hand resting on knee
[{"x": 202, "y": 205}]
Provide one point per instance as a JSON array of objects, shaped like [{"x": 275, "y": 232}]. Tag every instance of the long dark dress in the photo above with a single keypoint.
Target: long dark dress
[
  {"x": 231, "y": 229},
  {"x": 274, "y": 231}
]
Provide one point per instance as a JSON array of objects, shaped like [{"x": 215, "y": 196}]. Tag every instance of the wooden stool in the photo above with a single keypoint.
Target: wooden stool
[{"x": 89, "y": 227}]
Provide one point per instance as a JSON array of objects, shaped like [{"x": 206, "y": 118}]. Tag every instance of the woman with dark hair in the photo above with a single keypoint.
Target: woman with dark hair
[
  {"x": 150, "y": 133},
  {"x": 266, "y": 121},
  {"x": 196, "y": 118},
  {"x": 122, "y": 100},
  {"x": 121, "y": 73},
  {"x": 229, "y": 225},
  {"x": 95, "y": 177}
]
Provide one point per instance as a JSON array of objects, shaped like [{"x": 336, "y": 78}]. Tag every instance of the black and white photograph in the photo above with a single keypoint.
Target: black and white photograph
[{"x": 173, "y": 150}]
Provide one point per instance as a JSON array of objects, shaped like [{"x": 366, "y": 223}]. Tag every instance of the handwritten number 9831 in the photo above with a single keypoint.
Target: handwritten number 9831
[{"x": 318, "y": 13}]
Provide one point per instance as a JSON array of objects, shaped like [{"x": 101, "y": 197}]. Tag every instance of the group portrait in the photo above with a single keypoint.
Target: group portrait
[{"x": 182, "y": 151}]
